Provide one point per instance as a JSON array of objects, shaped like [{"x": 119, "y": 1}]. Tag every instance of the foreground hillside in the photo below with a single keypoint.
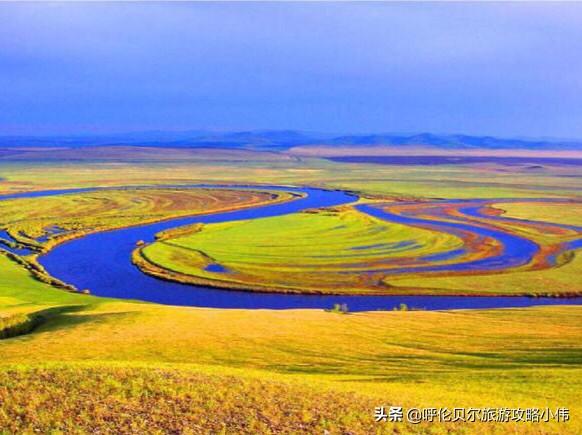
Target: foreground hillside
[
  {"x": 100, "y": 398},
  {"x": 96, "y": 362}
]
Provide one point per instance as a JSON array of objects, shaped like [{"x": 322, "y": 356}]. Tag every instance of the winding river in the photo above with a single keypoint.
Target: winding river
[{"x": 101, "y": 262}]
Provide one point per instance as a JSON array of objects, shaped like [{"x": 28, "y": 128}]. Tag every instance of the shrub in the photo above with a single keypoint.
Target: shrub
[{"x": 340, "y": 309}]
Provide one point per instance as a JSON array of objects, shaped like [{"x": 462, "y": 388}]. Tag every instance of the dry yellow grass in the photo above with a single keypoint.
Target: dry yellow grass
[
  {"x": 113, "y": 400},
  {"x": 490, "y": 358}
]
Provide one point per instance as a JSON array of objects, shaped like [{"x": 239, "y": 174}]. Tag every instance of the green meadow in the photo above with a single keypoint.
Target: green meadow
[
  {"x": 345, "y": 251},
  {"x": 76, "y": 363},
  {"x": 317, "y": 251},
  {"x": 116, "y": 168}
]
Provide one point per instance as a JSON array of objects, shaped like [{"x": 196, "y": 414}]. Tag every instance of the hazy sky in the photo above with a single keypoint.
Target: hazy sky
[{"x": 512, "y": 69}]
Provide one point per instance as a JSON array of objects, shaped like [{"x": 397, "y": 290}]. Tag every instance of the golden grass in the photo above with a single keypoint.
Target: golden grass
[
  {"x": 105, "y": 399},
  {"x": 568, "y": 214}
]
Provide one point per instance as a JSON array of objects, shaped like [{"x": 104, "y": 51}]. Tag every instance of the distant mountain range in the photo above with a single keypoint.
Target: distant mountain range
[
  {"x": 281, "y": 140},
  {"x": 455, "y": 141}
]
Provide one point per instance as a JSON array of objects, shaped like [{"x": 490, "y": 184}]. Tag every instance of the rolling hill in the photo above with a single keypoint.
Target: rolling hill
[{"x": 282, "y": 140}]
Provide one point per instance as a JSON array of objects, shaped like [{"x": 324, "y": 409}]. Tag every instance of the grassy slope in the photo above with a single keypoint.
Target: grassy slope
[
  {"x": 20, "y": 293},
  {"x": 122, "y": 399},
  {"x": 518, "y": 357}
]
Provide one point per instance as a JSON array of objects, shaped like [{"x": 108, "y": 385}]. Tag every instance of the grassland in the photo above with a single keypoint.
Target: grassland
[
  {"x": 45, "y": 221},
  {"x": 345, "y": 251},
  {"x": 91, "y": 368},
  {"x": 318, "y": 251},
  {"x": 171, "y": 167},
  {"x": 104, "y": 399},
  {"x": 75, "y": 363},
  {"x": 569, "y": 214}
]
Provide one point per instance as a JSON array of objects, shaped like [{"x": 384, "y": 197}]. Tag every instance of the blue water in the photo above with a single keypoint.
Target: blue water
[
  {"x": 101, "y": 262},
  {"x": 567, "y": 246},
  {"x": 445, "y": 256},
  {"x": 41, "y": 193},
  {"x": 6, "y": 241},
  {"x": 216, "y": 268},
  {"x": 517, "y": 251}
]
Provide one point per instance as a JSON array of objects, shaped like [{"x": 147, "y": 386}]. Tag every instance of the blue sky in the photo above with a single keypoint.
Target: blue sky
[{"x": 507, "y": 69}]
